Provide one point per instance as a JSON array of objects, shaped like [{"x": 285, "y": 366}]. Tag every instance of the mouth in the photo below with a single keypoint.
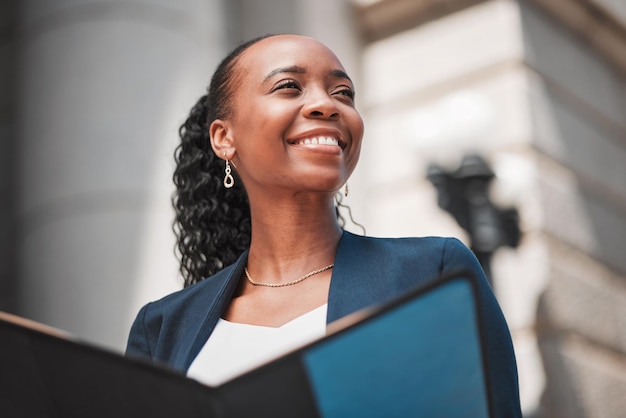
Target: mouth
[{"x": 319, "y": 140}]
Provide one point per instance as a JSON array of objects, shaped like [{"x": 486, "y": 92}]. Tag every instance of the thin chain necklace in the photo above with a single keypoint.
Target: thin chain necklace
[{"x": 306, "y": 276}]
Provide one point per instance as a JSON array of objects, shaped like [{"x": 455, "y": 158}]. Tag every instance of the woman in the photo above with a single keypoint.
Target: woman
[{"x": 279, "y": 119}]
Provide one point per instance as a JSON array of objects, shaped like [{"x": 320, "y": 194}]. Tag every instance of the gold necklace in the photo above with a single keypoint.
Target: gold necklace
[{"x": 306, "y": 276}]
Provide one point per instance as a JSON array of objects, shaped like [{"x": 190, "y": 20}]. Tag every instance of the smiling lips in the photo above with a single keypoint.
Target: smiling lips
[{"x": 317, "y": 140}]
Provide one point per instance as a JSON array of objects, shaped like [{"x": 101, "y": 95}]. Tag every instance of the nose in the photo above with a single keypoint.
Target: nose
[{"x": 320, "y": 105}]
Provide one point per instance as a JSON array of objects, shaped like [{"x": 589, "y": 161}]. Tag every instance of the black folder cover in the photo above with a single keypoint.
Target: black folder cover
[{"x": 419, "y": 355}]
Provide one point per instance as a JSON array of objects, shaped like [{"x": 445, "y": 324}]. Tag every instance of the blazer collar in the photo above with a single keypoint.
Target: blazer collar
[
  {"x": 356, "y": 276},
  {"x": 354, "y": 285},
  {"x": 215, "y": 294}
]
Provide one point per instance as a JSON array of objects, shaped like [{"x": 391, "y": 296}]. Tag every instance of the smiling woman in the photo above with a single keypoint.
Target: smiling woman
[{"x": 266, "y": 263}]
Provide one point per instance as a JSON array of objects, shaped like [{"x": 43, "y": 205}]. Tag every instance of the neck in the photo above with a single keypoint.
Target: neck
[{"x": 293, "y": 237}]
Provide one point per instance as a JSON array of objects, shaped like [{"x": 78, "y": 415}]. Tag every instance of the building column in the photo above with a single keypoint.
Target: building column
[{"x": 103, "y": 87}]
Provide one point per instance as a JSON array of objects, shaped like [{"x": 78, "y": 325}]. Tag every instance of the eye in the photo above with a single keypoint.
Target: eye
[
  {"x": 287, "y": 85},
  {"x": 347, "y": 92}
]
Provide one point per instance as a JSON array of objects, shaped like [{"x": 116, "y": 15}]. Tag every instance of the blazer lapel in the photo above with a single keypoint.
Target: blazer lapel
[
  {"x": 356, "y": 280},
  {"x": 215, "y": 296}
]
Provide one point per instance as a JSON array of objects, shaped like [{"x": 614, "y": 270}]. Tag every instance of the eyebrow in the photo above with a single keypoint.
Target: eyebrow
[
  {"x": 295, "y": 69},
  {"x": 340, "y": 74}
]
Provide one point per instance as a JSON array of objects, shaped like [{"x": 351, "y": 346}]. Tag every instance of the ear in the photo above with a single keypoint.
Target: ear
[{"x": 221, "y": 139}]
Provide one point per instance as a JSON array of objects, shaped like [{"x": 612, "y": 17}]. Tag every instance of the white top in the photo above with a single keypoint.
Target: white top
[{"x": 234, "y": 348}]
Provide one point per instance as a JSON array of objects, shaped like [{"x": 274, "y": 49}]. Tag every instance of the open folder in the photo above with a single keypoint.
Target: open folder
[{"x": 417, "y": 356}]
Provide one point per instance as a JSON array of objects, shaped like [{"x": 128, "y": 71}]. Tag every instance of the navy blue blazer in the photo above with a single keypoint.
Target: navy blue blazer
[{"x": 368, "y": 271}]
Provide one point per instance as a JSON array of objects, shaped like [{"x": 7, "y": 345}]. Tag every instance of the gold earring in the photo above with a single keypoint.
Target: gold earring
[
  {"x": 345, "y": 190},
  {"x": 229, "y": 181}
]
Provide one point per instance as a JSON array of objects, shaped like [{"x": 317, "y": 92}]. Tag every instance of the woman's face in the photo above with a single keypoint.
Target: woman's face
[{"x": 294, "y": 125}]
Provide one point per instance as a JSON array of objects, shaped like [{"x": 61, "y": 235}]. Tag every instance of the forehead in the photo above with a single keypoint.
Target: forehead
[{"x": 288, "y": 50}]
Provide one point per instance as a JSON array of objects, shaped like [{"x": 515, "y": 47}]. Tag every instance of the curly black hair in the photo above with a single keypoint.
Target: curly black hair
[{"x": 212, "y": 224}]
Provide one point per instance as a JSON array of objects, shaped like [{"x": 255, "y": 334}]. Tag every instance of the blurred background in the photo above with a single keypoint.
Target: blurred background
[{"x": 500, "y": 122}]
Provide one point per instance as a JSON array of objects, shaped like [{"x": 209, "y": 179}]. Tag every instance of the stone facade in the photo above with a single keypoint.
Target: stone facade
[{"x": 538, "y": 88}]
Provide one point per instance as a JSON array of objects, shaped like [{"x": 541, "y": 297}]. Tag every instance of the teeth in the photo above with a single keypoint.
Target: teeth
[{"x": 320, "y": 140}]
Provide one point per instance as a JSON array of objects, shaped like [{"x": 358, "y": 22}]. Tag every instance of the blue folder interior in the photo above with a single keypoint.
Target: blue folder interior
[{"x": 422, "y": 359}]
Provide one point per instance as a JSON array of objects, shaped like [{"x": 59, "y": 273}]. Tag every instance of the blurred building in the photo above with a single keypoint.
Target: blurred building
[{"x": 93, "y": 91}]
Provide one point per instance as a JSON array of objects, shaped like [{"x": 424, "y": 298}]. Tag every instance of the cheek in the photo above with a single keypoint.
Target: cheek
[
  {"x": 354, "y": 157},
  {"x": 354, "y": 120},
  {"x": 357, "y": 128},
  {"x": 271, "y": 119}
]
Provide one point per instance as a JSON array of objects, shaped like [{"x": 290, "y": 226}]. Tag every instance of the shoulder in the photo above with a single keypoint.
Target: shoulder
[
  {"x": 403, "y": 262},
  {"x": 409, "y": 243},
  {"x": 431, "y": 249},
  {"x": 187, "y": 299},
  {"x": 162, "y": 328}
]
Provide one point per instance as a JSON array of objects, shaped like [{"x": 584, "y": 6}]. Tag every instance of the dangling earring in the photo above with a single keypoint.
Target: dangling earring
[
  {"x": 229, "y": 181},
  {"x": 345, "y": 190}
]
